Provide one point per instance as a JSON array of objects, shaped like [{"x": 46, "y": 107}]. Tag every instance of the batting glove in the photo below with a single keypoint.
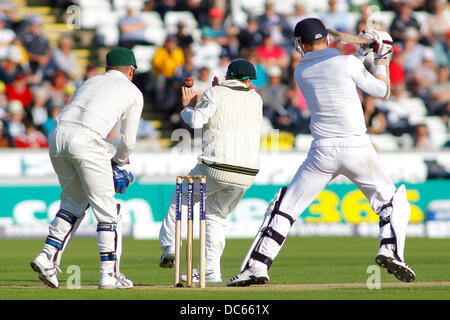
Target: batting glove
[
  {"x": 383, "y": 45},
  {"x": 365, "y": 49},
  {"x": 122, "y": 176}
]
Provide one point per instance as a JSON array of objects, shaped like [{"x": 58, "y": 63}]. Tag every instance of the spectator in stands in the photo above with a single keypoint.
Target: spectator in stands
[
  {"x": 64, "y": 58},
  {"x": 396, "y": 70},
  {"x": 261, "y": 73},
  {"x": 215, "y": 23},
  {"x": 36, "y": 45},
  {"x": 364, "y": 21},
  {"x": 207, "y": 52},
  {"x": 273, "y": 94},
  {"x": 204, "y": 80},
  {"x": 270, "y": 54},
  {"x": 15, "y": 119},
  {"x": 187, "y": 69},
  {"x": 290, "y": 117},
  {"x": 250, "y": 36},
  {"x": 3, "y": 101},
  {"x": 6, "y": 36},
  {"x": 14, "y": 19},
  {"x": 5, "y": 140},
  {"x": 10, "y": 66},
  {"x": 164, "y": 63},
  {"x": 403, "y": 20},
  {"x": 163, "y": 6},
  {"x": 200, "y": 9},
  {"x": 232, "y": 47},
  {"x": 31, "y": 138},
  {"x": 421, "y": 137},
  {"x": 425, "y": 76},
  {"x": 49, "y": 125},
  {"x": 439, "y": 103},
  {"x": 299, "y": 14},
  {"x": 375, "y": 120},
  {"x": 402, "y": 112},
  {"x": 438, "y": 23},
  {"x": 91, "y": 71},
  {"x": 132, "y": 28},
  {"x": 38, "y": 110},
  {"x": 55, "y": 89},
  {"x": 20, "y": 52},
  {"x": 447, "y": 47},
  {"x": 69, "y": 90},
  {"x": 19, "y": 90},
  {"x": 436, "y": 28},
  {"x": 413, "y": 50},
  {"x": 181, "y": 73},
  {"x": 336, "y": 19},
  {"x": 185, "y": 40},
  {"x": 275, "y": 24},
  {"x": 221, "y": 70},
  {"x": 441, "y": 53}
]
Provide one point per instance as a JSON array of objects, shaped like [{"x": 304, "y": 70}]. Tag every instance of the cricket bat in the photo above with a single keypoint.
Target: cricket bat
[{"x": 350, "y": 38}]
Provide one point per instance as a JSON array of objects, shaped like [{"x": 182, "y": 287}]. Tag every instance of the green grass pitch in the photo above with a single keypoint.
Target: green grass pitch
[{"x": 319, "y": 268}]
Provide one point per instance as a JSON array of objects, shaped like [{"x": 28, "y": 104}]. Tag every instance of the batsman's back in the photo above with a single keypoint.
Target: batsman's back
[{"x": 325, "y": 80}]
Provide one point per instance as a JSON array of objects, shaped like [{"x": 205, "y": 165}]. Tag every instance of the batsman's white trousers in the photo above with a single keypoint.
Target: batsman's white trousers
[
  {"x": 82, "y": 162},
  {"x": 353, "y": 157},
  {"x": 221, "y": 200}
]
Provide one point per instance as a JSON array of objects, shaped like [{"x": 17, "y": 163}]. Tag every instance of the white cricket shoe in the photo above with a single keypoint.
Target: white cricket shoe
[
  {"x": 209, "y": 276},
  {"x": 46, "y": 270},
  {"x": 167, "y": 259},
  {"x": 111, "y": 281},
  {"x": 386, "y": 258},
  {"x": 248, "y": 277}
]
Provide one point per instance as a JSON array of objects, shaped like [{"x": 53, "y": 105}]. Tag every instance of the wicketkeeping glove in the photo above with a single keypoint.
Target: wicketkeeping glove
[{"x": 122, "y": 176}]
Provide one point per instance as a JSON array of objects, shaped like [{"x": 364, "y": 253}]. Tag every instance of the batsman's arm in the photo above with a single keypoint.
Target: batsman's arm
[
  {"x": 370, "y": 84},
  {"x": 204, "y": 110}
]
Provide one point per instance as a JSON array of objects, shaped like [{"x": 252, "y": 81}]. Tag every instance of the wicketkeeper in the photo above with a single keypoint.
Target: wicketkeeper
[
  {"x": 231, "y": 117},
  {"x": 328, "y": 82},
  {"x": 90, "y": 170}
]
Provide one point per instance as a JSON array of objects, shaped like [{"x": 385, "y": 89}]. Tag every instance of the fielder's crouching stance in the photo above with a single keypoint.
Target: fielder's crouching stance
[
  {"x": 90, "y": 169},
  {"x": 328, "y": 82}
]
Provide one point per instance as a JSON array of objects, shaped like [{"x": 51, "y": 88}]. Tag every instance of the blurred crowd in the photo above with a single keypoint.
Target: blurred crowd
[{"x": 36, "y": 81}]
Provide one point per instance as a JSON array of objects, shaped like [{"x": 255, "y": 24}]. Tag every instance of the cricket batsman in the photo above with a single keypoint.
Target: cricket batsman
[
  {"x": 230, "y": 115},
  {"x": 341, "y": 145},
  {"x": 90, "y": 170}
]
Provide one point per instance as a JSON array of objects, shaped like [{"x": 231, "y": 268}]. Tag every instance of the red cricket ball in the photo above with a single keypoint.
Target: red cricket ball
[{"x": 188, "y": 82}]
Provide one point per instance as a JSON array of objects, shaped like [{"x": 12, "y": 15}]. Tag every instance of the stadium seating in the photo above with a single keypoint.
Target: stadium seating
[
  {"x": 99, "y": 31},
  {"x": 144, "y": 55}
]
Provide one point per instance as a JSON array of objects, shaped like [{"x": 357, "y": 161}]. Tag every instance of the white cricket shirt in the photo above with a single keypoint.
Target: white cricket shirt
[
  {"x": 100, "y": 103},
  {"x": 328, "y": 83}
]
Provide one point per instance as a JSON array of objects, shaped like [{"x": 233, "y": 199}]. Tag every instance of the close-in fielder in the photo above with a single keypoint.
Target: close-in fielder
[
  {"x": 90, "y": 170},
  {"x": 328, "y": 82},
  {"x": 230, "y": 115}
]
